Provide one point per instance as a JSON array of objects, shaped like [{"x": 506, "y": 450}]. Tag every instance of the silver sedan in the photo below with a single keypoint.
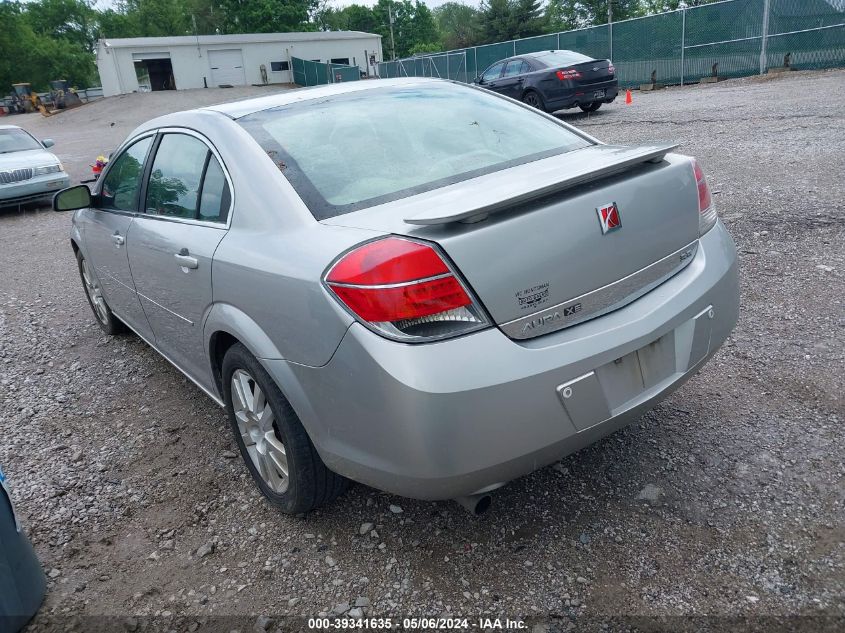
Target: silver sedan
[
  {"x": 28, "y": 172},
  {"x": 414, "y": 284}
]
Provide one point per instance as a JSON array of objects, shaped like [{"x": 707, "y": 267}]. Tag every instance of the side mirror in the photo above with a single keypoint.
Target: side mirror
[
  {"x": 48, "y": 142},
  {"x": 478, "y": 80},
  {"x": 72, "y": 198}
]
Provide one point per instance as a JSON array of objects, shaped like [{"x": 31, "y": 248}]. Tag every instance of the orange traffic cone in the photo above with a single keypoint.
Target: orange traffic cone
[{"x": 628, "y": 99}]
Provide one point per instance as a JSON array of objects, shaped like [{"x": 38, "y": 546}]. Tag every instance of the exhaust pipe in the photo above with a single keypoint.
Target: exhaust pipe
[{"x": 475, "y": 504}]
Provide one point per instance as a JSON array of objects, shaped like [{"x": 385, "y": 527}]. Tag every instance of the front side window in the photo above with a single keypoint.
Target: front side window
[
  {"x": 175, "y": 178},
  {"x": 355, "y": 150},
  {"x": 493, "y": 72},
  {"x": 123, "y": 178},
  {"x": 186, "y": 181}
]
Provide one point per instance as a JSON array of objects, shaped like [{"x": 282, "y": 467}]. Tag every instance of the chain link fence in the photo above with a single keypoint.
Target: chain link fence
[
  {"x": 736, "y": 37},
  {"x": 309, "y": 73}
]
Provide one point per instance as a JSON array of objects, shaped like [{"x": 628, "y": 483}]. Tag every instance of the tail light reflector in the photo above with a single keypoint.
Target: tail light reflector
[
  {"x": 569, "y": 73},
  {"x": 611, "y": 69},
  {"x": 706, "y": 209},
  {"x": 405, "y": 290}
]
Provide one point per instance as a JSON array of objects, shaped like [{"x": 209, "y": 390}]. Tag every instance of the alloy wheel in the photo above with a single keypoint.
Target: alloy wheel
[
  {"x": 94, "y": 293},
  {"x": 257, "y": 426}
]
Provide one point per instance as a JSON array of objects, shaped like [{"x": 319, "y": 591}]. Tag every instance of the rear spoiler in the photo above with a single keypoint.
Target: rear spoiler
[{"x": 534, "y": 180}]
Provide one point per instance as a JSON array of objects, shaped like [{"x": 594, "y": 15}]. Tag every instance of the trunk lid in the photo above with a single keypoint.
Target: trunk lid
[
  {"x": 592, "y": 72},
  {"x": 530, "y": 242}
]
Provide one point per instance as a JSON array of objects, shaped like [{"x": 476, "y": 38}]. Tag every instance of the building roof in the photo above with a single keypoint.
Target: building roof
[{"x": 241, "y": 38}]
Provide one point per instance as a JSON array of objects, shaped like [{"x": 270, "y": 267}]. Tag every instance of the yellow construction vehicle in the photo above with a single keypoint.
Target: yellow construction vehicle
[
  {"x": 63, "y": 96},
  {"x": 30, "y": 100}
]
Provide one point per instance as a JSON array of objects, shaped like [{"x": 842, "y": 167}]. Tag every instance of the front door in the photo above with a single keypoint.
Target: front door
[
  {"x": 171, "y": 246},
  {"x": 490, "y": 78},
  {"x": 105, "y": 228}
]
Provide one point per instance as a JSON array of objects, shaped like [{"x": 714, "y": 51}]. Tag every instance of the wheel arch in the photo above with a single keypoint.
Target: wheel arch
[{"x": 227, "y": 325}]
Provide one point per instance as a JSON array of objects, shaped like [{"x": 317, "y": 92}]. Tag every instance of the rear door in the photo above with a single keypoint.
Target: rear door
[
  {"x": 105, "y": 228},
  {"x": 512, "y": 79},
  {"x": 186, "y": 207}
]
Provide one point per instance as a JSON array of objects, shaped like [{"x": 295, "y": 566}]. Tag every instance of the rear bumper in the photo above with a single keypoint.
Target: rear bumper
[
  {"x": 33, "y": 190},
  {"x": 446, "y": 419},
  {"x": 583, "y": 96}
]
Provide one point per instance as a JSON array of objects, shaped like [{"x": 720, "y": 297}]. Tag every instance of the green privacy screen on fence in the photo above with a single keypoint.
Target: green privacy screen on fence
[
  {"x": 308, "y": 73},
  {"x": 744, "y": 37}
]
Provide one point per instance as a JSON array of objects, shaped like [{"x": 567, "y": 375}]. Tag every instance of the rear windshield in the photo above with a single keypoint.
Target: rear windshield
[
  {"x": 561, "y": 58},
  {"x": 15, "y": 140},
  {"x": 359, "y": 149}
]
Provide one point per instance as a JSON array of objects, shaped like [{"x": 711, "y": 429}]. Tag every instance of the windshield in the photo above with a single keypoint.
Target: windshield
[
  {"x": 15, "y": 140},
  {"x": 561, "y": 58},
  {"x": 359, "y": 149}
]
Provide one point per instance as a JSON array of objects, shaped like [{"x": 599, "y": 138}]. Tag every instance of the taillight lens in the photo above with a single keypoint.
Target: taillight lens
[
  {"x": 706, "y": 209},
  {"x": 611, "y": 69},
  {"x": 405, "y": 290},
  {"x": 569, "y": 73}
]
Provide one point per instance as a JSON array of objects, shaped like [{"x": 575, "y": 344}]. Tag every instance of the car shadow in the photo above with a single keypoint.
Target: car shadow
[
  {"x": 576, "y": 114},
  {"x": 20, "y": 209}
]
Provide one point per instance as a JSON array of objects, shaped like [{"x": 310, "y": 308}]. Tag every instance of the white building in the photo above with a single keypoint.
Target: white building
[{"x": 168, "y": 63}]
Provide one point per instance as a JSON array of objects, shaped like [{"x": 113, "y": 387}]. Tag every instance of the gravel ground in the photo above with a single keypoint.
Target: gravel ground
[{"x": 727, "y": 499}]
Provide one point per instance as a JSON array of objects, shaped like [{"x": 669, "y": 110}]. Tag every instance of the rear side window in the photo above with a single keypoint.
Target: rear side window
[
  {"x": 515, "y": 67},
  {"x": 215, "y": 198},
  {"x": 186, "y": 181},
  {"x": 175, "y": 178},
  {"x": 360, "y": 149},
  {"x": 123, "y": 179}
]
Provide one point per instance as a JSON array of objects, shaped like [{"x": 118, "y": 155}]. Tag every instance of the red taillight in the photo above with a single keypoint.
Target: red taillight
[
  {"x": 411, "y": 301},
  {"x": 611, "y": 69},
  {"x": 706, "y": 210},
  {"x": 569, "y": 73},
  {"x": 404, "y": 289},
  {"x": 704, "y": 198},
  {"x": 389, "y": 261}
]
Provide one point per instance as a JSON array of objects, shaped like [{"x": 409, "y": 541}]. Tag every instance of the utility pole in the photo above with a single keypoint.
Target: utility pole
[
  {"x": 392, "y": 41},
  {"x": 610, "y": 27}
]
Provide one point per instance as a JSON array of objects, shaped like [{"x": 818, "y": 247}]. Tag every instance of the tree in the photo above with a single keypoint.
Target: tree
[
  {"x": 38, "y": 57},
  {"x": 457, "y": 24},
  {"x": 527, "y": 18},
  {"x": 71, "y": 20},
  {"x": 495, "y": 21},
  {"x": 267, "y": 16}
]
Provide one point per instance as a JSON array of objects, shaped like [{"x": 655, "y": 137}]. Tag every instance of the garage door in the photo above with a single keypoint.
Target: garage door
[{"x": 227, "y": 67}]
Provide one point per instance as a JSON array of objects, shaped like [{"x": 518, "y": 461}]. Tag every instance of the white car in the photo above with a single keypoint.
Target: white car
[{"x": 28, "y": 172}]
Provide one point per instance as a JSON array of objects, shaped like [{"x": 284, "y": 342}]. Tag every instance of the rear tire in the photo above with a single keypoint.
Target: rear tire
[
  {"x": 534, "y": 99},
  {"x": 105, "y": 318},
  {"x": 591, "y": 107},
  {"x": 272, "y": 440}
]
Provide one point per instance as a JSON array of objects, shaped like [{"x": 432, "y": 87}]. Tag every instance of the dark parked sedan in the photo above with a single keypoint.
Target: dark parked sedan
[{"x": 553, "y": 80}]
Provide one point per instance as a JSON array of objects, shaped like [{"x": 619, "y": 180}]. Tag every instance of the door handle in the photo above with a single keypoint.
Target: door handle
[
  {"x": 118, "y": 239},
  {"x": 184, "y": 259}
]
